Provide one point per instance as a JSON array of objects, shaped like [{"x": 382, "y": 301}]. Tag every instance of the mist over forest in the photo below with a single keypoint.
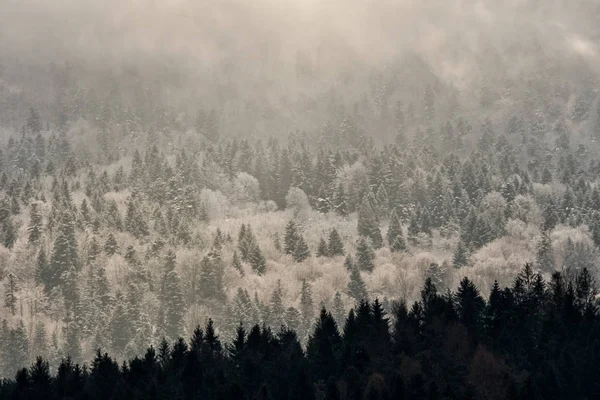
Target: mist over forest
[{"x": 246, "y": 166}]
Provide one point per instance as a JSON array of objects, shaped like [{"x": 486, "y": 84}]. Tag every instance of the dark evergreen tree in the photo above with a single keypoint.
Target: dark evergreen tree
[
  {"x": 365, "y": 256},
  {"x": 172, "y": 300},
  {"x": 35, "y": 224},
  {"x": 335, "y": 246},
  {"x": 257, "y": 260},
  {"x": 291, "y": 238},
  {"x": 357, "y": 288},
  {"x": 211, "y": 277},
  {"x": 368, "y": 225},
  {"x": 461, "y": 255},
  {"x": 395, "y": 236},
  {"x": 349, "y": 263},
  {"x": 10, "y": 293},
  {"x": 64, "y": 257},
  {"x": 301, "y": 251},
  {"x": 111, "y": 246},
  {"x": 322, "y": 250}
]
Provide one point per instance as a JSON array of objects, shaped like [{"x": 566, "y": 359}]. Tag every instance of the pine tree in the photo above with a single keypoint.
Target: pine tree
[
  {"x": 17, "y": 349},
  {"x": 306, "y": 305},
  {"x": 291, "y": 238},
  {"x": 301, "y": 251},
  {"x": 461, "y": 255},
  {"x": 39, "y": 343},
  {"x": 35, "y": 224},
  {"x": 544, "y": 257},
  {"x": 34, "y": 124},
  {"x": 211, "y": 277},
  {"x": 340, "y": 201},
  {"x": 383, "y": 201},
  {"x": 365, "y": 256},
  {"x": 64, "y": 253},
  {"x": 257, "y": 260},
  {"x": 322, "y": 250},
  {"x": 414, "y": 227},
  {"x": 10, "y": 293},
  {"x": 338, "y": 309},
  {"x": 111, "y": 246},
  {"x": 368, "y": 225},
  {"x": 469, "y": 306},
  {"x": 10, "y": 234},
  {"x": 550, "y": 217},
  {"x": 335, "y": 247},
  {"x": 395, "y": 236},
  {"x": 277, "y": 308},
  {"x": 246, "y": 242},
  {"x": 237, "y": 263},
  {"x": 172, "y": 299},
  {"x": 120, "y": 325},
  {"x": 349, "y": 263},
  {"x": 356, "y": 287}
]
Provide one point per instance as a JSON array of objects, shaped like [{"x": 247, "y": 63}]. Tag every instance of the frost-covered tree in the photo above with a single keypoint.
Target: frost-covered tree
[
  {"x": 35, "y": 224},
  {"x": 368, "y": 225},
  {"x": 10, "y": 293},
  {"x": 277, "y": 308},
  {"x": 64, "y": 257}
]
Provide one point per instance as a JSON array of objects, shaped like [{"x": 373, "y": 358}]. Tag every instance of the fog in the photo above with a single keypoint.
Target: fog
[{"x": 461, "y": 40}]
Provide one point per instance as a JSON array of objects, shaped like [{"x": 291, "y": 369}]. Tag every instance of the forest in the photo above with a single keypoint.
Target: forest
[
  {"x": 532, "y": 340},
  {"x": 169, "y": 165}
]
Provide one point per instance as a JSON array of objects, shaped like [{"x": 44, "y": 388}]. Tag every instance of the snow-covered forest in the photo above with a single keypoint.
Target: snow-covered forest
[{"x": 248, "y": 169}]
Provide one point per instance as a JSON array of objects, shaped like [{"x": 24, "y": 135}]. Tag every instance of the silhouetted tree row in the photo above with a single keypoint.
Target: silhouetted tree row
[{"x": 537, "y": 339}]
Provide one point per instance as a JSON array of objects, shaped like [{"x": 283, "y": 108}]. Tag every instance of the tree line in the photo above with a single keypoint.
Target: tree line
[{"x": 536, "y": 339}]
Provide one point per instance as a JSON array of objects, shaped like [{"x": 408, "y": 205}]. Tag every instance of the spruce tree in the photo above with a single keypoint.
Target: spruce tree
[
  {"x": 10, "y": 293},
  {"x": 544, "y": 257},
  {"x": 349, "y": 263},
  {"x": 111, "y": 246},
  {"x": 365, "y": 256},
  {"x": 335, "y": 247},
  {"x": 306, "y": 305},
  {"x": 120, "y": 325},
  {"x": 301, "y": 251},
  {"x": 395, "y": 236},
  {"x": 368, "y": 225},
  {"x": 383, "y": 201},
  {"x": 414, "y": 227},
  {"x": 64, "y": 253},
  {"x": 291, "y": 238},
  {"x": 356, "y": 287},
  {"x": 211, "y": 277},
  {"x": 237, "y": 263},
  {"x": 340, "y": 201},
  {"x": 322, "y": 250},
  {"x": 257, "y": 260},
  {"x": 39, "y": 342},
  {"x": 35, "y": 224},
  {"x": 461, "y": 255},
  {"x": 173, "y": 304},
  {"x": 277, "y": 308},
  {"x": 338, "y": 309}
]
